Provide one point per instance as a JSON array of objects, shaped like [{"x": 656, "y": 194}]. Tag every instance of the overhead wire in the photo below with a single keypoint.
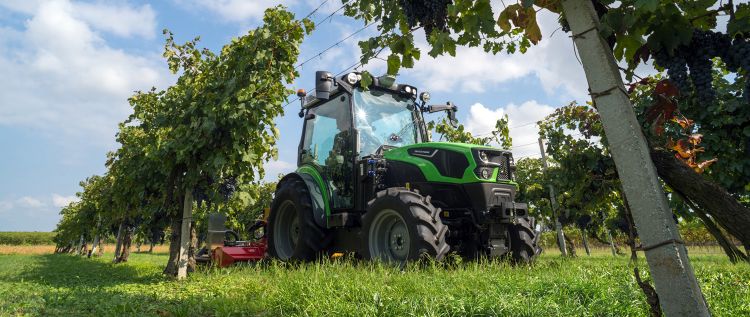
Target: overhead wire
[{"x": 333, "y": 45}]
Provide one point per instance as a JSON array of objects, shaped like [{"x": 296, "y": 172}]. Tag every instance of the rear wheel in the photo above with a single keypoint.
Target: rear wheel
[
  {"x": 293, "y": 233},
  {"x": 400, "y": 226},
  {"x": 524, "y": 241}
]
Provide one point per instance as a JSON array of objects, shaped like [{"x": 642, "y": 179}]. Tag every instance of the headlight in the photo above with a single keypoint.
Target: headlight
[
  {"x": 483, "y": 156},
  {"x": 425, "y": 97},
  {"x": 353, "y": 78},
  {"x": 486, "y": 173}
]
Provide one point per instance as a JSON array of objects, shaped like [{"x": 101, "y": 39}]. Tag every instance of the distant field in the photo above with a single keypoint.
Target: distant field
[
  {"x": 601, "y": 285},
  {"x": 47, "y": 249},
  {"x": 26, "y": 238}
]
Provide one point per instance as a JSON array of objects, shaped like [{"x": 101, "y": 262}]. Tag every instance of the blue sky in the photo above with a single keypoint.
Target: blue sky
[{"x": 69, "y": 66}]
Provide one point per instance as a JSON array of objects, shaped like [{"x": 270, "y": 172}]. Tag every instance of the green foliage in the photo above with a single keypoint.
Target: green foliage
[
  {"x": 501, "y": 134},
  {"x": 582, "y": 170},
  {"x": 459, "y": 23},
  {"x": 52, "y": 285},
  {"x": 533, "y": 187},
  {"x": 27, "y": 238},
  {"x": 724, "y": 126},
  {"x": 217, "y": 121},
  {"x": 210, "y": 134}
]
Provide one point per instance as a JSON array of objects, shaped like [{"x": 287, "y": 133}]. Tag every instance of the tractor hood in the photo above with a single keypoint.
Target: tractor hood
[{"x": 456, "y": 162}]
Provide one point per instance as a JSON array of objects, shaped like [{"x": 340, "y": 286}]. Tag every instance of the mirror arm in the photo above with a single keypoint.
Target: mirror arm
[{"x": 449, "y": 107}]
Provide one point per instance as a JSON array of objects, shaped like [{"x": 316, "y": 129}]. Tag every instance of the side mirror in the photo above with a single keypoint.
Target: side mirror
[
  {"x": 323, "y": 84},
  {"x": 450, "y": 108}
]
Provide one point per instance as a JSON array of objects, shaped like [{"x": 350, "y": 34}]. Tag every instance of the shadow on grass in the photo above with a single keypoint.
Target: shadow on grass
[{"x": 61, "y": 270}]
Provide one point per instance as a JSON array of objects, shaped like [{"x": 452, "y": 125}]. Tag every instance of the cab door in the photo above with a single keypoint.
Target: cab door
[{"x": 327, "y": 145}]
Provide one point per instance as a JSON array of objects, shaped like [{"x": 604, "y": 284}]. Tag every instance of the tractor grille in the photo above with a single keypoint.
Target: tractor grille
[{"x": 504, "y": 160}]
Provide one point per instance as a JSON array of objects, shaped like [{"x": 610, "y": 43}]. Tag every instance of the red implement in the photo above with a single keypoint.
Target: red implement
[{"x": 227, "y": 255}]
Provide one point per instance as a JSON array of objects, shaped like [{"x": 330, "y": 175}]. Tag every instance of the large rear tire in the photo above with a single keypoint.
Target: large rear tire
[
  {"x": 401, "y": 226},
  {"x": 293, "y": 234},
  {"x": 524, "y": 241}
]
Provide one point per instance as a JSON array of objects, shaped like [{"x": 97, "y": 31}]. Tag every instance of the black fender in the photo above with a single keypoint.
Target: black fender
[{"x": 319, "y": 207}]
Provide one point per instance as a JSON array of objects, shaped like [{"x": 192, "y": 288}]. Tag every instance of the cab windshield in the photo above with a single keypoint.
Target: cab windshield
[{"x": 384, "y": 118}]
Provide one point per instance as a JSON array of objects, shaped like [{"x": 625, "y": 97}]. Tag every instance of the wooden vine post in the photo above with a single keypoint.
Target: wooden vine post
[
  {"x": 118, "y": 245},
  {"x": 187, "y": 216},
  {"x": 674, "y": 279},
  {"x": 553, "y": 206}
]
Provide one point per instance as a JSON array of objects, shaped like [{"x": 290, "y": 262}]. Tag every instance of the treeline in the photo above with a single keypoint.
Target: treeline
[
  {"x": 27, "y": 238},
  {"x": 195, "y": 147}
]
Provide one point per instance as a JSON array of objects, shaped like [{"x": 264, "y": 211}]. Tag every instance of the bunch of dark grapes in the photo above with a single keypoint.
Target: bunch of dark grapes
[
  {"x": 199, "y": 194},
  {"x": 676, "y": 69},
  {"x": 228, "y": 187},
  {"x": 699, "y": 61},
  {"x": 429, "y": 14},
  {"x": 738, "y": 57},
  {"x": 697, "y": 56}
]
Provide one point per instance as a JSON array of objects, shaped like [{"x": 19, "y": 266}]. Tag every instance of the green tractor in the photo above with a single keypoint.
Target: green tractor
[{"x": 370, "y": 182}]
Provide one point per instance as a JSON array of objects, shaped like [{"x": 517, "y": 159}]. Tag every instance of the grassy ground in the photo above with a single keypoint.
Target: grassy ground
[{"x": 33, "y": 284}]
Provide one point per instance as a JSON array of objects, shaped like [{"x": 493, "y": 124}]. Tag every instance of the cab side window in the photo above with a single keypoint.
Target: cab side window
[{"x": 328, "y": 145}]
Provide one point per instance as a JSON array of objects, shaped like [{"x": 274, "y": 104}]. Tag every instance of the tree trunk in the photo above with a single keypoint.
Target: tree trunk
[
  {"x": 151, "y": 247},
  {"x": 668, "y": 262},
  {"x": 609, "y": 241},
  {"x": 185, "y": 241},
  {"x": 585, "y": 242},
  {"x": 100, "y": 252},
  {"x": 560, "y": 238},
  {"x": 707, "y": 195},
  {"x": 571, "y": 247},
  {"x": 174, "y": 247},
  {"x": 126, "y": 243},
  {"x": 94, "y": 246},
  {"x": 79, "y": 247},
  {"x": 729, "y": 248},
  {"x": 612, "y": 242},
  {"x": 118, "y": 244},
  {"x": 193, "y": 246}
]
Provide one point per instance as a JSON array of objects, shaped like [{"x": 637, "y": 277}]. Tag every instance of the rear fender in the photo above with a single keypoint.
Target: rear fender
[{"x": 316, "y": 196}]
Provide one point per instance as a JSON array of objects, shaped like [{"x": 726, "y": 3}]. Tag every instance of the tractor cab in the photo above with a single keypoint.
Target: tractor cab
[
  {"x": 368, "y": 178},
  {"x": 345, "y": 123}
]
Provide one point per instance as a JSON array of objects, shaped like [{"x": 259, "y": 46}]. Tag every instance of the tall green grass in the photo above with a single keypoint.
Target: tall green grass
[{"x": 586, "y": 286}]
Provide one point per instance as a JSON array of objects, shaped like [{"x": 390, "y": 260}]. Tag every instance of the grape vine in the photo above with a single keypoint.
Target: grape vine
[
  {"x": 694, "y": 61},
  {"x": 429, "y": 14}
]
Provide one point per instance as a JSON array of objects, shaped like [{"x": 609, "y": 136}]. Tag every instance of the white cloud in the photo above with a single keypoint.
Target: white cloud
[
  {"x": 62, "y": 201},
  {"x": 30, "y": 202},
  {"x": 274, "y": 168},
  {"x": 553, "y": 61},
  {"x": 119, "y": 19},
  {"x": 521, "y": 119},
  {"x": 67, "y": 80},
  {"x": 236, "y": 10}
]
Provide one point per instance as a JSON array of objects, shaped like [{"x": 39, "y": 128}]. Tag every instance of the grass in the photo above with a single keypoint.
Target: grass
[{"x": 53, "y": 285}]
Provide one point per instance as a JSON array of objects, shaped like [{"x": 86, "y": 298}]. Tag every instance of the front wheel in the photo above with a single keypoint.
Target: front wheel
[
  {"x": 524, "y": 240},
  {"x": 400, "y": 226}
]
